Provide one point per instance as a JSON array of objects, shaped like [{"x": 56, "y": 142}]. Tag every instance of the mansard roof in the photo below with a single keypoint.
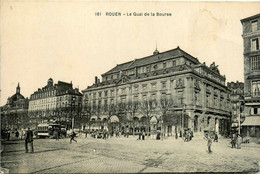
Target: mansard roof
[{"x": 177, "y": 52}]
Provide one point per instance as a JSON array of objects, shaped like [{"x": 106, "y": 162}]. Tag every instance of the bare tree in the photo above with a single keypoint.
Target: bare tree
[
  {"x": 169, "y": 116},
  {"x": 132, "y": 108},
  {"x": 111, "y": 109},
  {"x": 147, "y": 108}
]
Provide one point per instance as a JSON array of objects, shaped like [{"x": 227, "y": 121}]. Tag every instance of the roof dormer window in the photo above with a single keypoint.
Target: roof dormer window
[{"x": 254, "y": 25}]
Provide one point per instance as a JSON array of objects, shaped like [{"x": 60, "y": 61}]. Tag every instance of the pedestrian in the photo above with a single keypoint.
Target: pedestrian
[
  {"x": 239, "y": 141},
  {"x": 127, "y": 132},
  {"x": 29, "y": 140},
  {"x": 216, "y": 137},
  {"x": 22, "y": 133},
  {"x": 8, "y": 135},
  {"x": 59, "y": 133},
  {"x": 176, "y": 135},
  {"x": 17, "y": 134},
  {"x": 86, "y": 133},
  {"x": 233, "y": 140},
  {"x": 117, "y": 133},
  {"x": 209, "y": 143},
  {"x": 139, "y": 135},
  {"x": 187, "y": 136},
  {"x": 143, "y": 135},
  {"x": 56, "y": 134},
  {"x": 184, "y": 135},
  {"x": 72, "y": 136},
  {"x": 158, "y": 135}
]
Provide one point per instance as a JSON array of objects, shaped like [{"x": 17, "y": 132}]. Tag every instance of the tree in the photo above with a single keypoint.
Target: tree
[
  {"x": 165, "y": 105},
  {"x": 147, "y": 108},
  {"x": 132, "y": 109},
  {"x": 121, "y": 112}
]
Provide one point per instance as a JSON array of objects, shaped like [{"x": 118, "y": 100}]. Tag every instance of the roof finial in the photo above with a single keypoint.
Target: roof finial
[
  {"x": 156, "y": 51},
  {"x": 18, "y": 88}
]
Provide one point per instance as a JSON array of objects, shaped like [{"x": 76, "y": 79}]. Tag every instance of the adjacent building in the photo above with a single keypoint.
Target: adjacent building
[
  {"x": 14, "y": 114},
  {"x": 251, "y": 37},
  {"x": 237, "y": 98},
  {"x": 169, "y": 91},
  {"x": 59, "y": 103}
]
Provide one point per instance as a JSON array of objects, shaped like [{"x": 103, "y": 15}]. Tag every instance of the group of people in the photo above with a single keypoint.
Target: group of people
[
  {"x": 187, "y": 135},
  {"x": 236, "y": 141},
  {"x": 18, "y": 134},
  {"x": 105, "y": 134},
  {"x": 141, "y": 136}
]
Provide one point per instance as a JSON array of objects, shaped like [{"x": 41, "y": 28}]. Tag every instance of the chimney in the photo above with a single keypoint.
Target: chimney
[{"x": 96, "y": 79}]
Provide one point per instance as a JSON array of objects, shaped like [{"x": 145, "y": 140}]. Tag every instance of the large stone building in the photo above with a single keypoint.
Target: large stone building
[
  {"x": 171, "y": 90},
  {"x": 55, "y": 102},
  {"x": 14, "y": 114},
  {"x": 251, "y": 37}
]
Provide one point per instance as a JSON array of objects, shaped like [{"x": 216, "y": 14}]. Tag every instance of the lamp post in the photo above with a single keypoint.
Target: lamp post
[
  {"x": 183, "y": 111},
  {"x": 241, "y": 109},
  {"x": 72, "y": 107}
]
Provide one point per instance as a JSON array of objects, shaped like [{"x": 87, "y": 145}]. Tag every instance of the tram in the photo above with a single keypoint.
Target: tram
[{"x": 45, "y": 130}]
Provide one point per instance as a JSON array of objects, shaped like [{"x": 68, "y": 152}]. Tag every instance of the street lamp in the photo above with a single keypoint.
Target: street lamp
[
  {"x": 183, "y": 110},
  {"x": 241, "y": 109}
]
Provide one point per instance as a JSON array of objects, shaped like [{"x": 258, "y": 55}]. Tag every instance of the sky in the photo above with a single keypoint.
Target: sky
[{"x": 66, "y": 41}]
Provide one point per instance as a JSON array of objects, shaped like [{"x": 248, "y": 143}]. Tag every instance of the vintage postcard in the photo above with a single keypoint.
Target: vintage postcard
[{"x": 130, "y": 87}]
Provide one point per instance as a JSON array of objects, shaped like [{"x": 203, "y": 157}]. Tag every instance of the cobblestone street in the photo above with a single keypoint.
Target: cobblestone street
[{"x": 119, "y": 155}]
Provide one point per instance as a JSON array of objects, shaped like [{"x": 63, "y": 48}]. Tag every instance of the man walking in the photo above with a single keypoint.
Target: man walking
[
  {"x": 209, "y": 143},
  {"x": 233, "y": 140},
  {"x": 17, "y": 134},
  {"x": 29, "y": 139},
  {"x": 73, "y": 135},
  {"x": 143, "y": 135},
  {"x": 216, "y": 137}
]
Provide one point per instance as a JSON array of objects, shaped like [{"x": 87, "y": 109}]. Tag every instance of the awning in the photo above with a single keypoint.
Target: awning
[
  {"x": 139, "y": 116},
  {"x": 114, "y": 119},
  {"x": 103, "y": 117},
  {"x": 93, "y": 117},
  {"x": 251, "y": 121},
  {"x": 153, "y": 120}
]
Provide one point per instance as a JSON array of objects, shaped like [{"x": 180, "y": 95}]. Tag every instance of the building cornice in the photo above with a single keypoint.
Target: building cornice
[{"x": 212, "y": 82}]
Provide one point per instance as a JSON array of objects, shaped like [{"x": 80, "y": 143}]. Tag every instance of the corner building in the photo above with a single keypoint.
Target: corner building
[
  {"x": 199, "y": 93},
  {"x": 58, "y": 103},
  {"x": 236, "y": 96},
  {"x": 251, "y": 38}
]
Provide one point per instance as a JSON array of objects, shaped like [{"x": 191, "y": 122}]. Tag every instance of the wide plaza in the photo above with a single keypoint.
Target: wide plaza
[{"x": 128, "y": 155}]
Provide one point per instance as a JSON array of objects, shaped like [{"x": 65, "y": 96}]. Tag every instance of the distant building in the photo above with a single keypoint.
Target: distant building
[
  {"x": 14, "y": 114},
  {"x": 58, "y": 103},
  {"x": 251, "y": 37},
  {"x": 236, "y": 96},
  {"x": 194, "y": 95}
]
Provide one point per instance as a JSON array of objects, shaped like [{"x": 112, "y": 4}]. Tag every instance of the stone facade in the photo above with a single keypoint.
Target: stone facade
[
  {"x": 55, "y": 102},
  {"x": 197, "y": 93},
  {"x": 251, "y": 38},
  {"x": 237, "y": 97},
  {"x": 14, "y": 114}
]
